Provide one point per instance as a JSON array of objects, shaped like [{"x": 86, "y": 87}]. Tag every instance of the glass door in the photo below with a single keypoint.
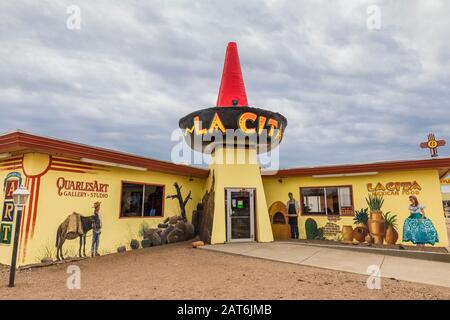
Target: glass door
[{"x": 240, "y": 214}]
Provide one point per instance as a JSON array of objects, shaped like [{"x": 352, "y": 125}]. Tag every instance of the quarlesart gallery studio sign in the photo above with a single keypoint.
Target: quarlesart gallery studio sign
[{"x": 81, "y": 189}]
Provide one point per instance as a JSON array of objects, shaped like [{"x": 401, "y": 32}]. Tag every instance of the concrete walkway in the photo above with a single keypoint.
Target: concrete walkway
[{"x": 414, "y": 270}]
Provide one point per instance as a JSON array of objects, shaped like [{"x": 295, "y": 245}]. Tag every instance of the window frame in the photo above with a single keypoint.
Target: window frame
[
  {"x": 122, "y": 182},
  {"x": 303, "y": 213}
]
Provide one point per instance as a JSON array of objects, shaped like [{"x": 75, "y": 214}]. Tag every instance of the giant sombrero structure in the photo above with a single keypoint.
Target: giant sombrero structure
[{"x": 253, "y": 127}]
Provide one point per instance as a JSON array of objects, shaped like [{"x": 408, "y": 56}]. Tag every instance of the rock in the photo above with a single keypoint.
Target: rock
[
  {"x": 196, "y": 244},
  {"x": 174, "y": 219},
  {"x": 164, "y": 234},
  {"x": 189, "y": 231},
  {"x": 146, "y": 243},
  {"x": 148, "y": 233},
  {"x": 46, "y": 260},
  {"x": 176, "y": 235},
  {"x": 134, "y": 244},
  {"x": 155, "y": 239},
  {"x": 121, "y": 249},
  {"x": 181, "y": 225}
]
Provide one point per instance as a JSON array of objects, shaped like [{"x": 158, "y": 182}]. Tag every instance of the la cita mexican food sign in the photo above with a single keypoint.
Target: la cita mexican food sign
[{"x": 394, "y": 188}]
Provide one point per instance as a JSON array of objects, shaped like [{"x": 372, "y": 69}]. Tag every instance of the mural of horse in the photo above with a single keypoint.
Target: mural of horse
[{"x": 74, "y": 226}]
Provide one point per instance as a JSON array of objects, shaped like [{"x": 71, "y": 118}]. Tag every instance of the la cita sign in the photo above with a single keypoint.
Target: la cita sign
[{"x": 394, "y": 188}]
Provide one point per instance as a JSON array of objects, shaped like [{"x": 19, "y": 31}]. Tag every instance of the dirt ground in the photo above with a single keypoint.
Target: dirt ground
[{"x": 181, "y": 272}]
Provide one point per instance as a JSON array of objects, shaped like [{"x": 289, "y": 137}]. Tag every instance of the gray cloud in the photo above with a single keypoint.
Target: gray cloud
[{"x": 350, "y": 94}]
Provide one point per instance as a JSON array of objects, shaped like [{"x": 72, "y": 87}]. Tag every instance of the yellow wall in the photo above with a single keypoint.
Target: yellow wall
[
  {"x": 238, "y": 175},
  {"x": 53, "y": 209},
  {"x": 430, "y": 196}
]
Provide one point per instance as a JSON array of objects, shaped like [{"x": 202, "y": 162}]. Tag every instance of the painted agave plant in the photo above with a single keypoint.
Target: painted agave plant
[
  {"x": 375, "y": 202},
  {"x": 361, "y": 216},
  {"x": 390, "y": 220}
]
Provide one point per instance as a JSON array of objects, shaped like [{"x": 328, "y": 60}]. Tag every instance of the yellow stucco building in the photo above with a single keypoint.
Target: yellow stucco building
[
  {"x": 232, "y": 200},
  {"x": 65, "y": 177}
]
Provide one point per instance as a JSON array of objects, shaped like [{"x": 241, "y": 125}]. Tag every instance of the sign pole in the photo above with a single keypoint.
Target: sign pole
[{"x": 12, "y": 271}]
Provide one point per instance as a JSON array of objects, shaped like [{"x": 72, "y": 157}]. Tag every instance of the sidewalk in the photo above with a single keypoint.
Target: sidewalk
[{"x": 406, "y": 269}]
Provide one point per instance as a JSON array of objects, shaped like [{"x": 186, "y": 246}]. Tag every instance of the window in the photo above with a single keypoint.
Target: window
[
  {"x": 327, "y": 201},
  {"x": 141, "y": 200}
]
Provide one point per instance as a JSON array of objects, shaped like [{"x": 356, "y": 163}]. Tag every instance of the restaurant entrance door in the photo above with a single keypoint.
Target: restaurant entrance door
[{"x": 240, "y": 208}]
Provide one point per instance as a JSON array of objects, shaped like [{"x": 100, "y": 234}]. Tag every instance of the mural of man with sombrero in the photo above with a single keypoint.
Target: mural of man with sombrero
[{"x": 96, "y": 229}]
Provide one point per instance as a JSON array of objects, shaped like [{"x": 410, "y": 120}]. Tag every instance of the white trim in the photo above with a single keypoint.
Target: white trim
[
  {"x": 112, "y": 164},
  {"x": 345, "y": 174}
]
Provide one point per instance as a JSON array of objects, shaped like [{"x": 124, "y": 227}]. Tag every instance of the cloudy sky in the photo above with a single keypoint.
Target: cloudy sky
[{"x": 122, "y": 81}]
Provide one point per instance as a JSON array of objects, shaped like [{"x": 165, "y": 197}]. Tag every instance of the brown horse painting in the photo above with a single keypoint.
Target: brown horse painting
[{"x": 74, "y": 226}]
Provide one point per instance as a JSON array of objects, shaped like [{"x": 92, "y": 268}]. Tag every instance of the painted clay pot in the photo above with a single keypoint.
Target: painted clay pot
[
  {"x": 376, "y": 226},
  {"x": 360, "y": 233},
  {"x": 369, "y": 238},
  {"x": 391, "y": 235},
  {"x": 376, "y": 215},
  {"x": 347, "y": 234}
]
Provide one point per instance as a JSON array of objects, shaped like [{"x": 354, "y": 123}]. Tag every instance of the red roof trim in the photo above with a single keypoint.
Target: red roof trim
[
  {"x": 366, "y": 167},
  {"x": 20, "y": 141}
]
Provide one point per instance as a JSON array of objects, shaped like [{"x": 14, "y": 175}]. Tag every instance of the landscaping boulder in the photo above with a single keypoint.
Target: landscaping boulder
[
  {"x": 189, "y": 231},
  {"x": 121, "y": 249},
  {"x": 164, "y": 234},
  {"x": 148, "y": 233},
  {"x": 176, "y": 235},
  {"x": 134, "y": 244},
  {"x": 146, "y": 243},
  {"x": 46, "y": 260},
  {"x": 155, "y": 239},
  {"x": 173, "y": 219}
]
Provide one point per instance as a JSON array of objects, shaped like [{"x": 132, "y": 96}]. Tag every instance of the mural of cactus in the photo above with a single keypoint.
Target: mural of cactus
[{"x": 311, "y": 229}]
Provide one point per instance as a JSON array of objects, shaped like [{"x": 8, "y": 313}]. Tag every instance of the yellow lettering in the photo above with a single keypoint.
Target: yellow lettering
[
  {"x": 216, "y": 124},
  {"x": 248, "y": 116},
  {"x": 9, "y": 207},
  {"x": 273, "y": 124},
  {"x": 6, "y": 230}
]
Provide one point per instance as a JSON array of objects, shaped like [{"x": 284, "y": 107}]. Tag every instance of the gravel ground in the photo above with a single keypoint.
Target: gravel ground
[{"x": 181, "y": 272}]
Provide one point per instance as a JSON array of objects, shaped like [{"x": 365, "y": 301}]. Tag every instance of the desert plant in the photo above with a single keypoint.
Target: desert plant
[
  {"x": 390, "y": 220},
  {"x": 320, "y": 234},
  {"x": 375, "y": 202},
  {"x": 361, "y": 216},
  {"x": 143, "y": 228}
]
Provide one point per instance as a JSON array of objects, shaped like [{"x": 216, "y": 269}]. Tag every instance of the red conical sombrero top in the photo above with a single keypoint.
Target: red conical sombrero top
[{"x": 232, "y": 88}]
